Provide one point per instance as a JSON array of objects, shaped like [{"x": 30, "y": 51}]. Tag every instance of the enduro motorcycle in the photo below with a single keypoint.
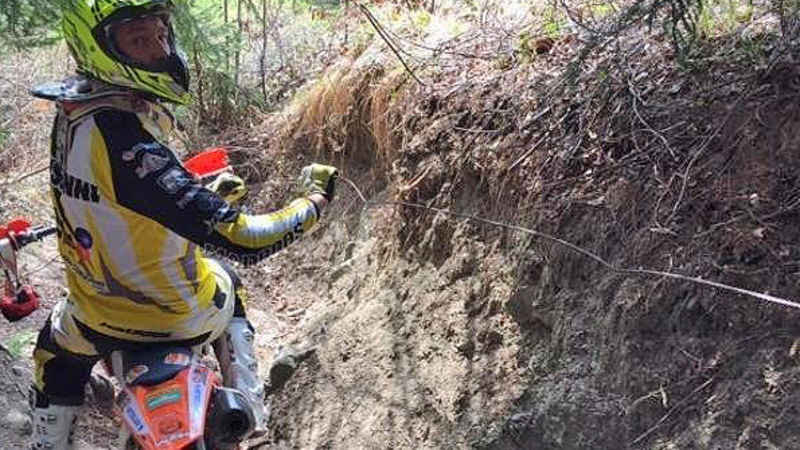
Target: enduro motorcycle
[{"x": 168, "y": 396}]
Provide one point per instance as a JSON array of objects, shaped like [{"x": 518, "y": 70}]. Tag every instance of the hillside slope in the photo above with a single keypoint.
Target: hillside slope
[{"x": 436, "y": 331}]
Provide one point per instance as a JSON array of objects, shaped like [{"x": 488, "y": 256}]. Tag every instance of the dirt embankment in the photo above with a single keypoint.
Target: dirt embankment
[{"x": 436, "y": 332}]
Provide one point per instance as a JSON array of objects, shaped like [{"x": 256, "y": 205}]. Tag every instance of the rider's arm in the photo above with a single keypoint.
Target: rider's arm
[{"x": 149, "y": 180}]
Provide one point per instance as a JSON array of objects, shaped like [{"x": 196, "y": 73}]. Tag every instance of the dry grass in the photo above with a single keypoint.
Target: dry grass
[
  {"x": 385, "y": 115},
  {"x": 346, "y": 114},
  {"x": 25, "y": 121},
  {"x": 25, "y": 124},
  {"x": 354, "y": 114}
]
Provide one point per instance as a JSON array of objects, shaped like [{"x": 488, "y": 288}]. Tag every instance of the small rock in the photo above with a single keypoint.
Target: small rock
[
  {"x": 18, "y": 421},
  {"x": 466, "y": 348},
  {"x": 341, "y": 270},
  {"x": 19, "y": 371}
]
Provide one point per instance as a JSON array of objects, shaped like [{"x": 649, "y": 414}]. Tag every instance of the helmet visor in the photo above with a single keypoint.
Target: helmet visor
[{"x": 144, "y": 41}]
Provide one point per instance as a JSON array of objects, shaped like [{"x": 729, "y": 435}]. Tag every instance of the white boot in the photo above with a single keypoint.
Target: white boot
[
  {"x": 53, "y": 427},
  {"x": 239, "y": 366}
]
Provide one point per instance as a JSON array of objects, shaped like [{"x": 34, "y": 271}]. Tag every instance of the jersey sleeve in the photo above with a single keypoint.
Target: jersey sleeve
[{"x": 149, "y": 180}]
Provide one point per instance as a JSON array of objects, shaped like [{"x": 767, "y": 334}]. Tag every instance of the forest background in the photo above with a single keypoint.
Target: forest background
[{"x": 650, "y": 134}]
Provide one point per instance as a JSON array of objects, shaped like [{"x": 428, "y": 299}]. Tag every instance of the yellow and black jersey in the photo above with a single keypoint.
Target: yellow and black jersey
[{"x": 134, "y": 224}]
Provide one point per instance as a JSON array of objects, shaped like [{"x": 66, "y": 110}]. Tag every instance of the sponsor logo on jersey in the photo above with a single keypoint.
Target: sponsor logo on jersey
[
  {"x": 266, "y": 252},
  {"x": 144, "y": 333},
  {"x": 172, "y": 438},
  {"x": 149, "y": 157},
  {"x": 163, "y": 397},
  {"x": 173, "y": 180},
  {"x": 72, "y": 186},
  {"x": 135, "y": 420}
]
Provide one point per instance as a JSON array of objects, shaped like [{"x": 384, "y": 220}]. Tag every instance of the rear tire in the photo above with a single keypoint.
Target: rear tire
[
  {"x": 131, "y": 444},
  {"x": 198, "y": 445},
  {"x": 127, "y": 440}
]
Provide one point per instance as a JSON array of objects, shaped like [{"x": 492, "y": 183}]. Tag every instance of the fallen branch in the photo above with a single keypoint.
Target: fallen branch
[{"x": 382, "y": 33}]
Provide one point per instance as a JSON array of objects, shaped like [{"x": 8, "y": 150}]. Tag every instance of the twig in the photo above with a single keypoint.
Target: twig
[
  {"x": 41, "y": 267},
  {"x": 666, "y": 416},
  {"x": 529, "y": 151},
  {"x": 644, "y": 122},
  {"x": 702, "y": 147},
  {"x": 734, "y": 108},
  {"x": 479, "y": 130},
  {"x": 387, "y": 39},
  {"x": 717, "y": 226},
  {"x": 25, "y": 177}
]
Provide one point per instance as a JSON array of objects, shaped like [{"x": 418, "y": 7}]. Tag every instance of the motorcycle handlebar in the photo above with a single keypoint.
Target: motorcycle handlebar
[{"x": 33, "y": 235}]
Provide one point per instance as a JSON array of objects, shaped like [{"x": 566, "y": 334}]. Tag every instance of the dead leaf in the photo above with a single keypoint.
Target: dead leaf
[
  {"x": 795, "y": 348},
  {"x": 772, "y": 377},
  {"x": 597, "y": 201},
  {"x": 759, "y": 232}
]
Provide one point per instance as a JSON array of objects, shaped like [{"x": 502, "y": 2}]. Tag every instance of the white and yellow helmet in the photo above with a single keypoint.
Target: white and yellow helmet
[{"x": 89, "y": 29}]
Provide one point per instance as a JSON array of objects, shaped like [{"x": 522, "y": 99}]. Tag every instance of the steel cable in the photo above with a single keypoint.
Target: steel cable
[{"x": 580, "y": 250}]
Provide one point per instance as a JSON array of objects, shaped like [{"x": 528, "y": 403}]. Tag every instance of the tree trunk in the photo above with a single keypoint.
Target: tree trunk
[
  {"x": 238, "y": 50},
  {"x": 346, "y": 21},
  {"x": 263, "y": 58},
  {"x": 200, "y": 85},
  {"x": 225, "y": 18}
]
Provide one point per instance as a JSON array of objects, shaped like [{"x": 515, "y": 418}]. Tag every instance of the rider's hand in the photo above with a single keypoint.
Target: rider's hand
[
  {"x": 228, "y": 186},
  {"x": 317, "y": 179}
]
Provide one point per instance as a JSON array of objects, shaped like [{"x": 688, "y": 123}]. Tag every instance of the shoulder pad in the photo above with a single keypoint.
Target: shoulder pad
[
  {"x": 79, "y": 96},
  {"x": 55, "y": 90},
  {"x": 74, "y": 89}
]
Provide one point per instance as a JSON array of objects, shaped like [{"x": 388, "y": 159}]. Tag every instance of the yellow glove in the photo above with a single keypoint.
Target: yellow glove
[
  {"x": 317, "y": 179},
  {"x": 228, "y": 186}
]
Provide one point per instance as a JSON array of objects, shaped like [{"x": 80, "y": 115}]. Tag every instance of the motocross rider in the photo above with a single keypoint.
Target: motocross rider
[{"x": 132, "y": 221}]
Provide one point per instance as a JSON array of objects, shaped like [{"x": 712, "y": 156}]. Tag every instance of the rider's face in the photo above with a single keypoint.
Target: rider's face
[{"x": 145, "y": 39}]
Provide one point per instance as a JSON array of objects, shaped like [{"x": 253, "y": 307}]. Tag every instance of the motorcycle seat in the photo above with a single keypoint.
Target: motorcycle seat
[{"x": 155, "y": 365}]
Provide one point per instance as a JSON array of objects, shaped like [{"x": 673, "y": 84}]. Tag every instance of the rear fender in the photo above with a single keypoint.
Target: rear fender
[{"x": 169, "y": 415}]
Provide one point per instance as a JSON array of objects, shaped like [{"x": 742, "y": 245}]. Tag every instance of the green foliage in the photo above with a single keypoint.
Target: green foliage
[
  {"x": 751, "y": 49},
  {"x": 29, "y": 23},
  {"x": 602, "y": 9},
  {"x": 19, "y": 342},
  {"x": 526, "y": 48},
  {"x": 422, "y": 19},
  {"x": 210, "y": 44},
  {"x": 554, "y": 21},
  {"x": 722, "y": 17},
  {"x": 677, "y": 19}
]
